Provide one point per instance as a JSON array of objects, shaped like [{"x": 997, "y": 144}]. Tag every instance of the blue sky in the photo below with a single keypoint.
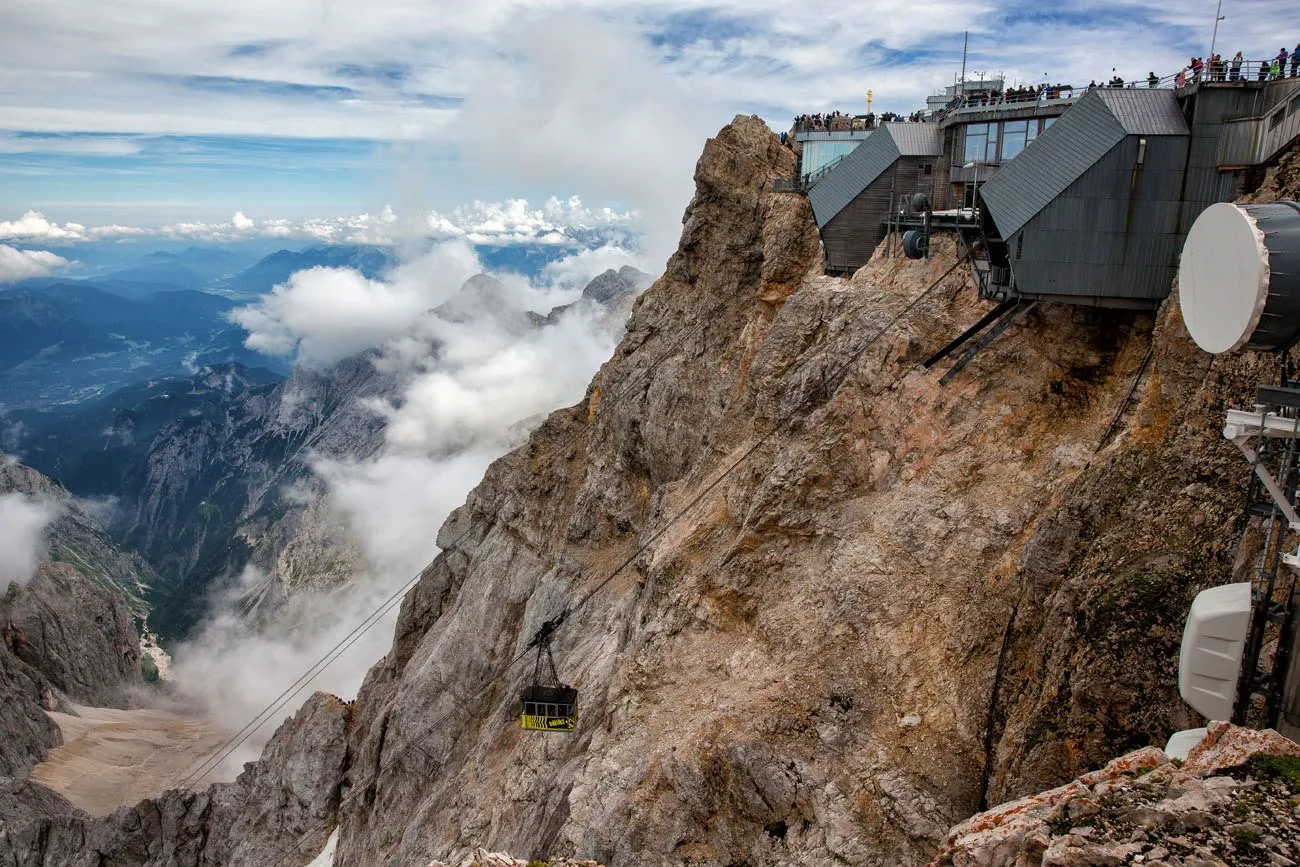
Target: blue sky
[{"x": 149, "y": 113}]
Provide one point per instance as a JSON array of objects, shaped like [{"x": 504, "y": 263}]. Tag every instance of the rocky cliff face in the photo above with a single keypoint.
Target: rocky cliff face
[
  {"x": 81, "y": 639},
  {"x": 69, "y": 632},
  {"x": 77, "y": 538},
  {"x": 797, "y": 665},
  {"x": 818, "y": 606}
]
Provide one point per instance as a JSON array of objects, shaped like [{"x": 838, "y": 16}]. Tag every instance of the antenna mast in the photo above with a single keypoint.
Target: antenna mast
[{"x": 965, "y": 40}]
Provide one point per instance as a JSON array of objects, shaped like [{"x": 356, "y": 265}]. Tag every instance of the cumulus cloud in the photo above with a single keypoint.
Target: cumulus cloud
[
  {"x": 22, "y": 523},
  {"x": 514, "y": 222},
  {"x": 22, "y": 264},
  {"x": 32, "y": 226},
  {"x": 324, "y": 314}
]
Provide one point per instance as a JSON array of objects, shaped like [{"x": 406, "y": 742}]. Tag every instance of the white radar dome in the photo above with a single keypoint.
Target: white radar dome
[{"x": 1239, "y": 279}]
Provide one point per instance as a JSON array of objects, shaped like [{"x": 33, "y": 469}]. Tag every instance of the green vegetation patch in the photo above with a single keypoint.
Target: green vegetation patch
[
  {"x": 1286, "y": 769},
  {"x": 148, "y": 669}
]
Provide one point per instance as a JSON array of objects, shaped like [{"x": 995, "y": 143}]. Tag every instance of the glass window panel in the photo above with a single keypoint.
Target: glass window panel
[
  {"x": 1012, "y": 145},
  {"x": 991, "y": 153},
  {"x": 817, "y": 154},
  {"x": 976, "y": 135}
]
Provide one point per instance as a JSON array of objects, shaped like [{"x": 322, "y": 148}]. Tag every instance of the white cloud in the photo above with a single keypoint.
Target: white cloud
[
  {"x": 95, "y": 146},
  {"x": 22, "y": 264},
  {"x": 32, "y": 226},
  {"x": 512, "y": 221},
  {"x": 369, "y": 69},
  {"x": 597, "y": 111},
  {"x": 576, "y": 271},
  {"x": 22, "y": 523},
  {"x": 323, "y": 314}
]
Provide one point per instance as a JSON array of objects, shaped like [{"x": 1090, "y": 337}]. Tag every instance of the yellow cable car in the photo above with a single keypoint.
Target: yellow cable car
[
  {"x": 550, "y": 708},
  {"x": 548, "y": 705}
]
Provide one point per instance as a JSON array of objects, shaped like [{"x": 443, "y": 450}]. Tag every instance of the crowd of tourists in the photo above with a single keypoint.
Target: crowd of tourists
[
  {"x": 836, "y": 121},
  {"x": 833, "y": 121},
  {"x": 1215, "y": 68},
  {"x": 1025, "y": 93}
]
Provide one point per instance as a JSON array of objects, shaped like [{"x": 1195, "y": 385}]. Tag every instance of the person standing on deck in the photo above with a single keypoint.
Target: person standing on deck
[
  {"x": 1295, "y": 61},
  {"x": 1235, "y": 71}
]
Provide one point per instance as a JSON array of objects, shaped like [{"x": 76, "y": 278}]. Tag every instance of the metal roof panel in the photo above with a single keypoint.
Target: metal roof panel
[
  {"x": 1145, "y": 111},
  {"x": 1053, "y": 161},
  {"x": 916, "y": 139},
  {"x": 855, "y": 172}
]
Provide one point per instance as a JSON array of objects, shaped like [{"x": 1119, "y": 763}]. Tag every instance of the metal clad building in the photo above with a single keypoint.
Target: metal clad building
[
  {"x": 1091, "y": 212},
  {"x": 851, "y": 203}
]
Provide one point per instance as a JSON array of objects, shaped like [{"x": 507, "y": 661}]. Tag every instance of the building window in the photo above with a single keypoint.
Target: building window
[
  {"x": 1295, "y": 104},
  {"x": 1015, "y": 135},
  {"x": 976, "y": 139},
  {"x": 1275, "y": 120},
  {"x": 991, "y": 152},
  {"x": 927, "y": 168},
  {"x": 1048, "y": 121}
]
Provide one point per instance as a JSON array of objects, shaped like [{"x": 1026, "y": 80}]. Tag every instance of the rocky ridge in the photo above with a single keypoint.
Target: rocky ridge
[{"x": 856, "y": 604}]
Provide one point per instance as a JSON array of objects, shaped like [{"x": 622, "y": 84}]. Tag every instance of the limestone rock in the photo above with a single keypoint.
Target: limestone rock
[
  {"x": 1226, "y": 745},
  {"x": 1142, "y": 809},
  {"x": 82, "y": 640}
]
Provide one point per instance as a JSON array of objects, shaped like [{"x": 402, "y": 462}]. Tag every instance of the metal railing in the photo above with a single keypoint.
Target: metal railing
[
  {"x": 993, "y": 101},
  {"x": 822, "y": 171},
  {"x": 804, "y": 183},
  {"x": 1222, "y": 71}
]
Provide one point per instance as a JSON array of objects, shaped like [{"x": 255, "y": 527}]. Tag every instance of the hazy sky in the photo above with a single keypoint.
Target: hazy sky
[{"x": 149, "y": 112}]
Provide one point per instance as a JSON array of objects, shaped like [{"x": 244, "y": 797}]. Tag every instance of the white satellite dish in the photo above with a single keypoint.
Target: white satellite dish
[{"x": 1239, "y": 279}]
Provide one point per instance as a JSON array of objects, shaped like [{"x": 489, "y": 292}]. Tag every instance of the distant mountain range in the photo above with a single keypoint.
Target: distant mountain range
[
  {"x": 68, "y": 341},
  {"x": 277, "y": 267}
]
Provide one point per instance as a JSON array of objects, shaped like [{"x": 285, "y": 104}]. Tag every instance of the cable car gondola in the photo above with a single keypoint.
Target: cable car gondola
[{"x": 547, "y": 704}]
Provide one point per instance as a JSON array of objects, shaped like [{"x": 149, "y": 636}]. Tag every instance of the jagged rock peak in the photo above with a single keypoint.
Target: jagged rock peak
[
  {"x": 480, "y": 295},
  {"x": 612, "y": 286}
]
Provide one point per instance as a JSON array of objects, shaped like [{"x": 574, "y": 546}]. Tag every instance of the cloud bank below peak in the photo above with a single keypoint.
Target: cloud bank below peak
[{"x": 513, "y": 221}]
